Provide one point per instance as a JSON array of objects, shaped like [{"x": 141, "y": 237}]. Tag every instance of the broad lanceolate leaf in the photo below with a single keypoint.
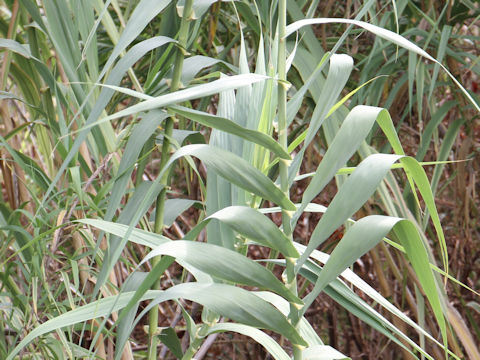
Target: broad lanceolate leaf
[
  {"x": 352, "y": 303},
  {"x": 354, "y": 127},
  {"x": 358, "y": 240},
  {"x": 385, "y": 34},
  {"x": 231, "y": 127},
  {"x": 351, "y": 196},
  {"x": 254, "y": 225},
  {"x": 144, "y": 12},
  {"x": 237, "y": 171},
  {"x": 353, "y": 131},
  {"x": 418, "y": 175},
  {"x": 142, "y": 237},
  {"x": 338, "y": 74},
  {"x": 363, "y": 236},
  {"x": 359, "y": 283},
  {"x": 213, "y": 260},
  {"x": 140, "y": 134},
  {"x": 114, "y": 78},
  {"x": 239, "y": 305},
  {"x": 259, "y": 336},
  {"x": 223, "y": 264},
  {"x": 323, "y": 352},
  {"x": 362, "y": 183},
  {"x": 214, "y": 87},
  {"x": 408, "y": 235},
  {"x": 230, "y": 301}
]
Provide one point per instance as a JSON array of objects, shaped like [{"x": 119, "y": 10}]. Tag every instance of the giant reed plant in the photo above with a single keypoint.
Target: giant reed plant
[{"x": 251, "y": 162}]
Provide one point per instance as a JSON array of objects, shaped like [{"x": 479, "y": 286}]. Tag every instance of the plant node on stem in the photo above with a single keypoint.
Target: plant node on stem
[
  {"x": 160, "y": 202},
  {"x": 291, "y": 281}
]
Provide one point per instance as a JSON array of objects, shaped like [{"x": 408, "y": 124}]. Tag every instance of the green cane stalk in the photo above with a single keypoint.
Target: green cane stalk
[
  {"x": 196, "y": 343},
  {"x": 160, "y": 202},
  {"x": 290, "y": 280}
]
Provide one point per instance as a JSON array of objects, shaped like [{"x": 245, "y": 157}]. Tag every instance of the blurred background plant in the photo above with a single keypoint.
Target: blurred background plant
[{"x": 60, "y": 163}]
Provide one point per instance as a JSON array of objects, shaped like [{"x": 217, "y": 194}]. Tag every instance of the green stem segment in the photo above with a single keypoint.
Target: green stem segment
[
  {"x": 282, "y": 125},
  {"x": 160, "y": 203},
  {"x": 196, "y": 343},
  {"x": 290, "y": 280}
]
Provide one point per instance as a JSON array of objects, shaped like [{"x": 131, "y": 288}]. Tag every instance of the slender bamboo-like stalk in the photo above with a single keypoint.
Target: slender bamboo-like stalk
[
  {"x": 160, "y": 202},
  {"x": 10, "y": 172},
  {"x": 290, "y": 280}
]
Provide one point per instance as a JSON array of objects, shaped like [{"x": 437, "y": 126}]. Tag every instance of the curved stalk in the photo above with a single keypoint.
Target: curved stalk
[{"x": 160, "y": 202}]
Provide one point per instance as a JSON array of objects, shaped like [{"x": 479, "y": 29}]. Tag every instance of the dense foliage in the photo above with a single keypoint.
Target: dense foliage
[{"x": 239, "y": 179}]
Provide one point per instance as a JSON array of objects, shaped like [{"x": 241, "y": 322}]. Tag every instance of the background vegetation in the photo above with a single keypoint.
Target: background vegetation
[{"x": 127, "y": 124}]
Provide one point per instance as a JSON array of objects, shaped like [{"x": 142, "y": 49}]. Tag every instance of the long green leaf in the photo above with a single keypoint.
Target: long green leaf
[
  {"x": 142, "y": 237},
  {"x": 345, "y": 297},
  {"x": 223, "y": 264},
  {"x": 338, "y": 74},
  {"x": 351, "y": 196},
  {"x": 407, "y": 233},
  {"x": 323, "y": 352},
  {"x": 230, "y": 127},
  {"x": 353, "y": 131},
  {"x": 364, "y": 235},
  {"x": 211, "y": 88},
  {"x": 254, "y": 225},
  {"x": 359, "y": 283},
  {"x": 352, "y": 303},
  {"x": 144, "y": 12},
  {"x": 232, "y": 302},
  {"x": 237, "y": 171},
  {"x": 259, "y": 336},
  {"x": 114, "y": 78},
  {"x": 385, "y": 34}
]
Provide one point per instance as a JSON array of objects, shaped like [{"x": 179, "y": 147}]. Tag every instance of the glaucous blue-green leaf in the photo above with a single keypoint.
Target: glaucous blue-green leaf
[
  {"x": 224, "y": 264},
  {"x": 272, "y": 347},
  {"x": 350, "y": 197},
  {"x": 230, "y": 301},
  {"x": 385, "y": 34},
  {"x": 231, "y": 127},
  {"x": 254, "y": 225},
  {"x": 352, "y": 133},
  {"x": 237, "y": 171},
  {"x": 194, "y": 92},
  {"x": 323, "y": 352}
]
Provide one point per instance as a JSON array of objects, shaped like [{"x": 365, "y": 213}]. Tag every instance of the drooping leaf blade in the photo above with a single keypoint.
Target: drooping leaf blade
[
  {"x": 237, "y": 171},
  {"x": 229, "y": 301},
  {"x": 230, "y": 127},
  {"x": 223, "y": 264}
]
